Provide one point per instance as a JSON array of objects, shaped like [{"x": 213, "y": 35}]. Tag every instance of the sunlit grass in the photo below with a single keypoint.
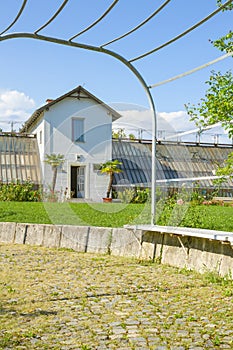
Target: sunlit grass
[{"x": 114, "y": 214}]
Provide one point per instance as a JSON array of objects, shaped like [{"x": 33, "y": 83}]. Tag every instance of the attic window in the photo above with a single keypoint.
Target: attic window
[{"x": 78, "y": 130}]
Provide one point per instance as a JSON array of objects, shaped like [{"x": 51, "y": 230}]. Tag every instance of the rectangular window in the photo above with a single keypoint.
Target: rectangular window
[
  {"x": 78, "y": 130},
  {"x": 40, "y": 137}
]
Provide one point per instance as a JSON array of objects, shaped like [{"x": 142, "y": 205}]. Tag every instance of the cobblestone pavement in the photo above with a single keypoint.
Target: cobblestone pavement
[{"x": 60, "y": 299}]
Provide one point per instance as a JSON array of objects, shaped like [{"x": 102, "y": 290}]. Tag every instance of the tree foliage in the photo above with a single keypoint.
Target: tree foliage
[
  {"x": 110, "y": 168},
  {"x": 119, "y": 134},
  {"x": 217, "y": 105},
  {"x": 227, "y": 168},
  {"x": 55, "y": 160},
  {"x": 228, "y": 7},
  {"x": 225, "y": 43}
]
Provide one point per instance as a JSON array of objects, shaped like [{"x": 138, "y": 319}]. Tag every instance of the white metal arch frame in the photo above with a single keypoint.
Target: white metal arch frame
[{"x": 101, "y": 49}]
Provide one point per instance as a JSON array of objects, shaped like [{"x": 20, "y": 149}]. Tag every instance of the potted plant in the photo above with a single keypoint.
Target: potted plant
[{"x": 110, "y": 168}]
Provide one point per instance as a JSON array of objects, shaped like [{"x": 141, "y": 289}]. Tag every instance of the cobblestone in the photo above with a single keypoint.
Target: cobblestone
[{"x": 63, "y": 300}]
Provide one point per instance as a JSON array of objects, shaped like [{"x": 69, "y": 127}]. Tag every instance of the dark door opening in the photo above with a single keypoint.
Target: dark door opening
[{"x": 78, "y": 181}]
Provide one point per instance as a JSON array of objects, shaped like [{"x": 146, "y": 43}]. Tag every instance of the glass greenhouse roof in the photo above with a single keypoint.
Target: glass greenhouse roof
[{"x": 191, "y": 162}]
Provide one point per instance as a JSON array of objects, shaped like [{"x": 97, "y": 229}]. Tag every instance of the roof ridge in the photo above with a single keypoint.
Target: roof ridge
[{"x": 37, "y": 113}]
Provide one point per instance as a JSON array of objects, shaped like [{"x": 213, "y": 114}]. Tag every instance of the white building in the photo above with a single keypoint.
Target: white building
[{"x": 79, "y": 126}]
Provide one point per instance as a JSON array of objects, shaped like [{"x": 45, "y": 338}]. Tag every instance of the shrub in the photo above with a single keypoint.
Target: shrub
[
  {"x": 127, "y": 195},
  {"x": 196, "y": 197},
  {"x": 19, "y": 192},
  {"x": 141, "y": 196},
  {"x": 135, "y": 195}
]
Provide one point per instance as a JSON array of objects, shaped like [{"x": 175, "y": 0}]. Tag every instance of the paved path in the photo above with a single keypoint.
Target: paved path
[{"x": 60, "y": 299}]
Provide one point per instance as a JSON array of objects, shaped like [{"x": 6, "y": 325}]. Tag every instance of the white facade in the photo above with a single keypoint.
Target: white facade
[{"x": 54, "y": 125}]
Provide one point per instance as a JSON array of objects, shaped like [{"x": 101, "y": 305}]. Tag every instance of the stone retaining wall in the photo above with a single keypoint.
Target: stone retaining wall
[{"x": 195, "y": 253}]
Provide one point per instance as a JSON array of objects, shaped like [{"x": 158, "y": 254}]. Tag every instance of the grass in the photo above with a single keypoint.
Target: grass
[
  {"x": 210, "y": 217},
  {"x": 98, "y": 214},
  {"x": 114, "y": 215}
]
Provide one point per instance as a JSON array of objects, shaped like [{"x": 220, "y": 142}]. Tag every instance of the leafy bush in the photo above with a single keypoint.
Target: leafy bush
[
  {"x": 127, "y": 195},
  {"x": 141, "y": 196},
  {"x": 135, "y": 195},
  {"x": 196, "y": 197},
  {"x": 19, "y": 192}
]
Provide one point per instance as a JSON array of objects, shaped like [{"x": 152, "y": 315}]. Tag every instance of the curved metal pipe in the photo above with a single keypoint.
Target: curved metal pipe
[
  {"x": 183, "y": 33},
  {"x": 139, "y": 25},
  {"x": 16, "y": 18},
  {"x": 53, "y": 17},
  {"x": 136, "y": 73},
  {"x": 95, "y": 22}
]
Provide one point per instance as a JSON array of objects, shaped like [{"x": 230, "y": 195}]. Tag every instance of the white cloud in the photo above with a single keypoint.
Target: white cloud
[
  {"x": 170, "y": 126},
  {"x": 15, "y": 107},
  {"x": 167, "y": 122}
]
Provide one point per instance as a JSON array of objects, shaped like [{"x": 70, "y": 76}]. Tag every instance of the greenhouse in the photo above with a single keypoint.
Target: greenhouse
[{"x": 19, "y": 158}]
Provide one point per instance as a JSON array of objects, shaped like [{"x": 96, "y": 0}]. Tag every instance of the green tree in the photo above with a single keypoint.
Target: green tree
[
  {"x": 119, "y": 134},
  {"x": 227, "y": 168},
  {"x": 55, "y": 160},
  {"x": 110, "y": 167},
  {"x": 228, "y": 7},
  {"x": 132, "y": 137},
  {"x": 217, "y": 105},
  {"x": 225, "y": 43}
]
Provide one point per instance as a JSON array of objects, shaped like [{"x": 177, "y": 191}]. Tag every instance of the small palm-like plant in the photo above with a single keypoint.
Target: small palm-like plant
[
  {"x": 110, "y": 167},
  {"x": 55, "y": 160}
]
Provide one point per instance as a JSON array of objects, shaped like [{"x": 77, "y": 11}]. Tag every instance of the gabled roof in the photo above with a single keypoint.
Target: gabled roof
[{"x": 78, "y": 90}]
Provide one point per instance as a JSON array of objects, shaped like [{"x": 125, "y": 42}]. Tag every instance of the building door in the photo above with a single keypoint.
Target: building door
[{"x": 78, "y": 181}]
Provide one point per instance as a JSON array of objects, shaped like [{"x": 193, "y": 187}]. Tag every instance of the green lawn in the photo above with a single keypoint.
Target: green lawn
[
  {"x": 98, "y": 214},
  {"x": 210, "y": 217},
  {"x": 115, "y": 214}
]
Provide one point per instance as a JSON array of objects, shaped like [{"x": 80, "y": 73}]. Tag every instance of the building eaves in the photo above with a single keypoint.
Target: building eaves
[{"x": 37, "y": 114}]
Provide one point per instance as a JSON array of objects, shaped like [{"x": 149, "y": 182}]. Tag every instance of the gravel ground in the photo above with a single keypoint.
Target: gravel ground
[{"x": 60, "y": 299}]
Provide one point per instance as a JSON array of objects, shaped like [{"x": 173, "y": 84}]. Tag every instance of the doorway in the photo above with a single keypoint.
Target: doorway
[{"x": 78, "y": 181}]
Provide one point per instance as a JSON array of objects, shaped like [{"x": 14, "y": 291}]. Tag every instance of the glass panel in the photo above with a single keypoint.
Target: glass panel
[
  {"x": 4, "y": 174},
  {"x": 80, "y": 182},
  {"x": 78, "y": 130}
]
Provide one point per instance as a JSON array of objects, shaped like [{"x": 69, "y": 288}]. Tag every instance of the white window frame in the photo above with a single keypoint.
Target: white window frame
[{"x": 81, "y": 137}]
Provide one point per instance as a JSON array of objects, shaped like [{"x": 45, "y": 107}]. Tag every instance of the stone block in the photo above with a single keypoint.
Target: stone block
[
  {"x": 74, "y": 237},
  {"x": 7, "y": 232},
  {"x": 99, "y": 240},
  {"x": 34, "y": 234},
  {"x": 20, "y": 233},
  {"x": 52, "y": 236},
  {"x": 126, "y": 242},
  {"x": 175, "y": 250},
  {"x": 208, "y": 255},
  {"x": 151, "y": 245}
]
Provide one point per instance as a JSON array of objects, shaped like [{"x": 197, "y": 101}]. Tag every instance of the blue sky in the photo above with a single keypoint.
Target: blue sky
[{"x": 32, "y": 71}]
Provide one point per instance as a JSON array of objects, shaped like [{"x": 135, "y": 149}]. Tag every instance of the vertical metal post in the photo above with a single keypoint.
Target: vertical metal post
[
  {"x": 153, "y": 164},
  {"x": 153, "y": 178}
]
